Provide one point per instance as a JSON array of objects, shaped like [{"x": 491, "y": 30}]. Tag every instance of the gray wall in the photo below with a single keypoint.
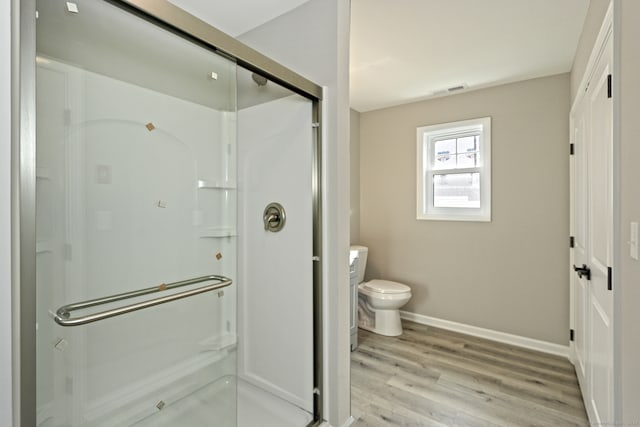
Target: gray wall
[
  {"x": 508, "y": 275},
  {"x": 354, "y": 181},
  {"x": 592, "y": 23}
]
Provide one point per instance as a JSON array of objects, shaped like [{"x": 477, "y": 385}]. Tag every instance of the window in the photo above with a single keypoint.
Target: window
[{"x": 454, "y": 171}]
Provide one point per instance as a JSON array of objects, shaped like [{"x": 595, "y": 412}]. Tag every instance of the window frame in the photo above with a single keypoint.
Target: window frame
[{"x": 426, "y": 137}]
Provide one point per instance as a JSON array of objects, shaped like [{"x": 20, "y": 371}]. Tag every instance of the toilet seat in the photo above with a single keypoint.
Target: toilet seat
[
  {"x": 385, "y": 287},
  {"x": 385, "y": 290}
]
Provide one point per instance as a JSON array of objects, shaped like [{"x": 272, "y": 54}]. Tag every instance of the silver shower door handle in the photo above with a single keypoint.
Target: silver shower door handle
[{"x": 274, "y": 217}]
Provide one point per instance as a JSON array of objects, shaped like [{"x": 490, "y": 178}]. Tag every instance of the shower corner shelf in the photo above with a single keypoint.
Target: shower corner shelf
[
  {"x": 219, "y": 185},
  {"x": 214, "y": 232}
]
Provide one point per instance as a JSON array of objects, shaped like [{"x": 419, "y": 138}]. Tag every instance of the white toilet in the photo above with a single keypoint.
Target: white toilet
[{"x": 379, "y": 300}]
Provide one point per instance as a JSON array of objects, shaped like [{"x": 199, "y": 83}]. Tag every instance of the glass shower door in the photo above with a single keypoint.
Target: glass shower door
[{"x": 136, "y": 223}]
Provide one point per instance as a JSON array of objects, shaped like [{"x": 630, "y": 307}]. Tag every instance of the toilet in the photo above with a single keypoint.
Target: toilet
[{"x": 379, "y": 301}]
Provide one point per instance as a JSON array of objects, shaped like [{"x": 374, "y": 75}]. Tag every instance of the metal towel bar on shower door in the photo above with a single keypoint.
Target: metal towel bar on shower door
[{"x": 63, "y": 314}]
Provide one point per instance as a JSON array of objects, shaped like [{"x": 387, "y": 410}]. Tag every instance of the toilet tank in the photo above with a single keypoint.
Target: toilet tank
[{"x": 362, "y": 260}]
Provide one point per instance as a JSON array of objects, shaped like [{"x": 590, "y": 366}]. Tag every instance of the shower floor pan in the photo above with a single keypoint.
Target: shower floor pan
[{"x": 213, "y": 405}]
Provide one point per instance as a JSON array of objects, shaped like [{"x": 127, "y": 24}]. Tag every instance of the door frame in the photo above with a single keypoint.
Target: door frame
[{"x": 172, "y": 18}]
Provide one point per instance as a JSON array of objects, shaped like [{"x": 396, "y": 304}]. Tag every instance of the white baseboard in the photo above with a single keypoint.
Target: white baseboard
[{"x": 516, "y": 340}]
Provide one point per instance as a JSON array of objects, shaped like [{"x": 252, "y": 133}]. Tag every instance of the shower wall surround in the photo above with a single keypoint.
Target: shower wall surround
[{"x": 275, "y": 311}]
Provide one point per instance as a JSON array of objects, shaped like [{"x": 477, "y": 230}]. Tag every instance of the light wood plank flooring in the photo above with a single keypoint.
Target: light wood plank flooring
[{"x": 433, "y": 377}]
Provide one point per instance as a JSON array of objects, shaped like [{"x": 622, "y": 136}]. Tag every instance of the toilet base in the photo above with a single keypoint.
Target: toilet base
[{"x": 382, "y": 322}]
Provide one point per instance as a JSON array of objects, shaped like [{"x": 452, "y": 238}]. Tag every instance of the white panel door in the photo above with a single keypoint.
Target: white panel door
[
  {"x": 600, "y": 307},
  {"x": 592, "y": 181}
]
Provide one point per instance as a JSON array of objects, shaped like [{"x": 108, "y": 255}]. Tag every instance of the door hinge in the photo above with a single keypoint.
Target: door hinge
[
  {"x": 315, "y": 125},
  {"x": 609, "y": 279},
  {"x": 572, "y": 149},
  {"x": 571, "y": 334},
  {"x": 609, "y": 94},
  {"x": 572, "y": 242}
]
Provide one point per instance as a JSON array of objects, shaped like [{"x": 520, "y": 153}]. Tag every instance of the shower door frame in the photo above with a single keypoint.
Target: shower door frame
[{"x": 172, "y": 18}]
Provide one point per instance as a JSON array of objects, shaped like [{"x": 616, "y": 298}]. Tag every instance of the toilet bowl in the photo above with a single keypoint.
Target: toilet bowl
[{"x": 379, "y": 301}]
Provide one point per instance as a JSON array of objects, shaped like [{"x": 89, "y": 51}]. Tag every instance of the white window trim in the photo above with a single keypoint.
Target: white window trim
[{"x": 425, "y": 160}]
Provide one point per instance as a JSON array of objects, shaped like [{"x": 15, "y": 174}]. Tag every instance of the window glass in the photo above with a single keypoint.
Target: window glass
[
  {"x": 456, "y": 190},
  {"x": 468, "y": 160},
  {"x": 445, "y": 154},
  {"x": 468, "y": 144}
]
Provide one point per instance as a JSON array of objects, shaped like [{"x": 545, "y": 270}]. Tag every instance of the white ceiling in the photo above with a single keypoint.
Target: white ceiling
[
  {"x": 235, "y": 17},
  {"x": 408, "y": 50}
]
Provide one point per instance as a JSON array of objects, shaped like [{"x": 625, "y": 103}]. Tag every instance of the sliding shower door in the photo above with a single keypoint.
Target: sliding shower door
[{"x": 136, "y": 223}]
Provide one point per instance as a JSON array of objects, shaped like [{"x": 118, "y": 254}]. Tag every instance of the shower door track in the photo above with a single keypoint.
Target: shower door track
[{"x": 168, "y": 16}]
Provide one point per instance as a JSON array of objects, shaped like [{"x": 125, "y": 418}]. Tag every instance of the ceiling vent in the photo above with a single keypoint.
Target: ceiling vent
[
  {"x": 449, "y": 90},
  {"x": 456, "y": 88}
]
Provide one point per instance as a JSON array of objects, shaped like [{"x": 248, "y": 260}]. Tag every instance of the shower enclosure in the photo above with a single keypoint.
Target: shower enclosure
[{"x": 171, "y": 216}]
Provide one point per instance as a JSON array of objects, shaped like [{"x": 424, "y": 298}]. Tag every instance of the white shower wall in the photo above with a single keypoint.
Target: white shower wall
[
  {"x": 275, "y": 281},
  {"x": 130, "y": 195}
]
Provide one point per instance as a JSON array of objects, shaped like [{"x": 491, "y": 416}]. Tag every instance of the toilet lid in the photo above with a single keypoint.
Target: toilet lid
[{"x": 386, "y": 287}]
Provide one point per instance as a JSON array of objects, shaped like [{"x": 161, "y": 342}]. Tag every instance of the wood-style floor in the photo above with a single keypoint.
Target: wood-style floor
[{"x": 433, "y": 377}]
